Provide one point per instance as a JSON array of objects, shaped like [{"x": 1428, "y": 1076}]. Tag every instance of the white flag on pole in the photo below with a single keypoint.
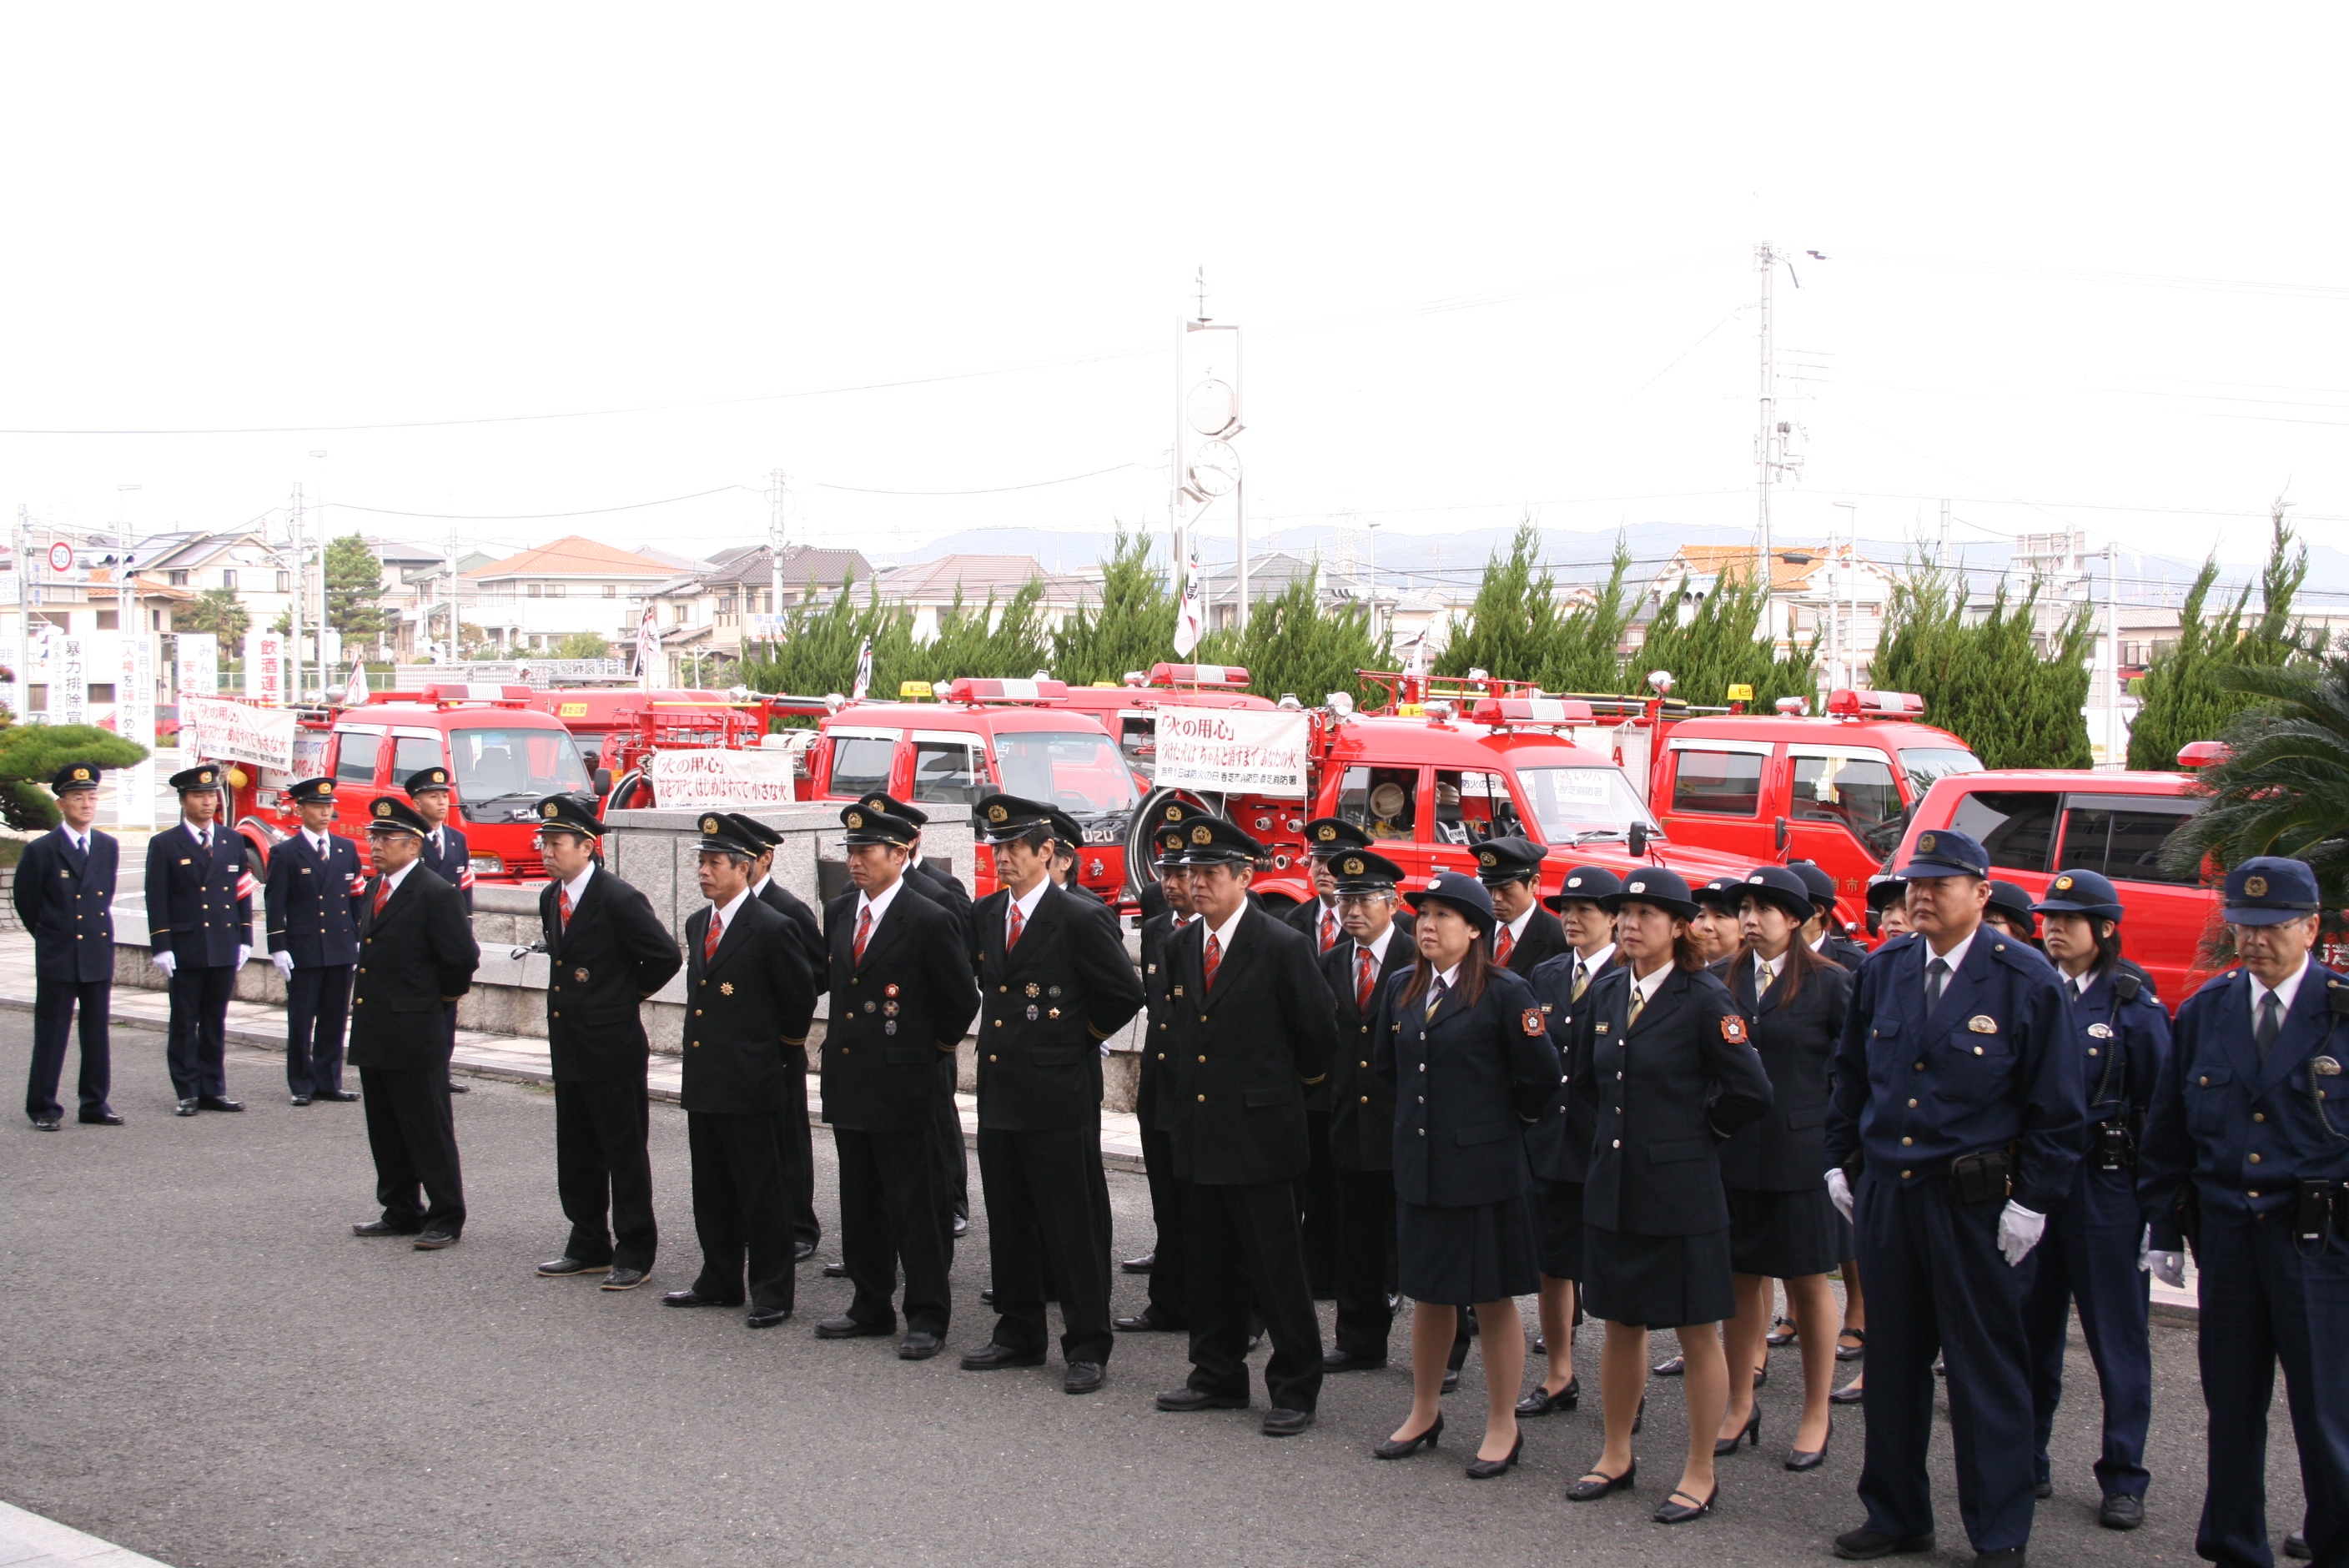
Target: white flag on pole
[
  {"x": 863, "y": 670},
  {"x": 1190, "y": 621},
  {"x": 648, "y": 649},
  {"x": 355, "y": 693}
]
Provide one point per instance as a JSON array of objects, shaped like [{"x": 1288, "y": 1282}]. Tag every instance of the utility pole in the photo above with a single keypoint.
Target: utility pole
[
  {"x": 326, "y": 675},
  {"x": 294, "y": 685},
  {"x": 20, "y": 556},
  {"x": 448, "y": 652},
  {"x": 778, "y": 498},
  {"x": 1766, "y": 262}
]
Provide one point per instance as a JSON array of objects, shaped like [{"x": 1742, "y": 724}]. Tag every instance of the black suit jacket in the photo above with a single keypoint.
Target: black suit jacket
[
  {"x": 806, "y": 925},
  {"x": 414, "y": 955},
  {"x": 747, "y": 1014},
  {"x": 1545, "y": 938},
  {"x": 1157, "y": 932},
  {"x": 1843, "y": 950},
  {"x": 1667, "y": 1091},
  {"x": 452, "y": 863},
  {"x": 66, "y": 901},
  {"x": 1361, "y": 1102},
  {"x": 941, "y": 889},
  {"x": 1246, "y": 1052},
  {"x": 893, "y": 1015},
  {"x": 1467, "y": 1079},
  {"x": 198, "y": 903},
  {"x": 312, "y": 902},
  {"x": 601, "y": 966},
  {"x": 1785, "y": 1151},
  {"x": 1045, "y": 1005}
]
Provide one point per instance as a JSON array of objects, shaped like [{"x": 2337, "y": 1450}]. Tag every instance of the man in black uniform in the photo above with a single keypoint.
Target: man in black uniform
[
  {"x": 798, "y": 1138},
  {"x": 1828, "y": 940},
  {"x": 901, "y": 997},
  {"x": 1377, "y": 948},
  {"x": 1054, "y": 982},
  {"x": 606, "y": 953},
  {"x": 199, "y": 926},
  {"x": 1325, "y": 837},
  {"x": 1068, "y": 843},
  {"x": 750, "y": 1000},
  {"x": 446, "y": 856},
  {"x": 64, "y": 895},
  {"x": 1254, "y": 1027},
  {"x": 416, "y": 956},
  {"x": 312, "y": 899},
  {"x": 1524, "y": 932},
  {"x": 1164, "y": 1263},
  {"x": 1317, "y": 1191}
]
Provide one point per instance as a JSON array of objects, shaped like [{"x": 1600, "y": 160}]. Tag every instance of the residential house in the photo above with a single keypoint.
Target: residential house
[
  {"x": 707, "y": 613},
  {"x": 929, "y": 587},
  {"x": 529, "y": 602},
  {"x": 1833, "y": 592}
]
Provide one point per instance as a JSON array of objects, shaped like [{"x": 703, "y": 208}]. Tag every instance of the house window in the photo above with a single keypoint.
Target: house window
[
  {"x": 179, "y": 579},
  {"x": 101, "y": 691},
  {"x": 228, "y": 578},
  {"x": 554, "y": 590},
  {"x": 109, "y": 620},
  {"x": 37, "y": 699},
  {"x": 725, "y": 603},
  {"x": 281, "y": 582},
  {"x": 155, "y": 620},
  {"x": 534, "y": 590},
  {"x": 611, "y": 590}
]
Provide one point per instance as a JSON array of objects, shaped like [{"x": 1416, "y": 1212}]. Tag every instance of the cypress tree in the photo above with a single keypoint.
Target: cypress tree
[
  {"x": 1721, "y": 645},
  {"x": 1513, "y": 626},
  {"x": 2185, "y": 693},
  {"x": 1131, "y": 628},
  {"x": 1986, "y": 682}
]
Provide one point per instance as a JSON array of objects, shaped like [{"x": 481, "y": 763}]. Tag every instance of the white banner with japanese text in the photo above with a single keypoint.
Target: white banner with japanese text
[{"x": 1251, "y": 751}]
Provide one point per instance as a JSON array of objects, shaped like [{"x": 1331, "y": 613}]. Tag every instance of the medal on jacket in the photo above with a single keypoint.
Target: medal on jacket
[
  {"x": 1982, "y": 1024},
  {"x": 2324, "y": 1067},
  {"x": 889, "y": 990},
  {"x": 890, "y": 1027},
  {"x": 2100, "y": 1031},
  {"x": 724, "y": 988},
  {"x": 1032, "y": 1014},
  {"x": 580, "y": 975},
  {"x": 1034, "y": 990}
]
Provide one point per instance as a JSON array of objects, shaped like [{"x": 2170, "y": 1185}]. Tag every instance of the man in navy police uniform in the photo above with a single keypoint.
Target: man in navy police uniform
[
  {"x": 1958, "y": 1121},
  {"x": 64, "y": 894},
  {"x": 312, "y": 897},
  {"x": 2246, "y": 1156}
]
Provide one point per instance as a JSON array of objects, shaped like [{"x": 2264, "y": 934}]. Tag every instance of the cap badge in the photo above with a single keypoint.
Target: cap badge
[
  {"x": 1354, "y": 865},
  {"x": 877, "y": 805},
  {"x": 1574, "y": 882},
  {"x": 1982, "y": 1024},
  {"x": 1326, "y": 832},
  {"x": 1757, "y": 877},
  {"x": 550, "y": 811},
  {"x": 81, "y": 775},
  {"x": 2063, "y": 885},
  {"x": 1488, "y": 858},
  {"x": 383, "y": 808},
  {"x": 2100, "y": 1031},
  {"x": 709, "y": 826},
  {"x": 998, "y": 814},
  {"x": 856, "y": 818},
  {"x": 1174, "y": 812},
  {"x": 1202, "y": 836},
  {"x": 1635, "y": 887},
  {"x": 2255, "y": 887}
]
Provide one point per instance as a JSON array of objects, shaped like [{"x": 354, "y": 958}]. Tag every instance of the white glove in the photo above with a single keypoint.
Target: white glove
[
  {"x": 1839, "y": 1192},
  {"x": 166, "y": 961},
  {"x": 2169, "y": 1268},
  {"x": 243, "y": 953},
  {"x": 2018, "y": 1232},
  {"x": 284, "y": 961}
]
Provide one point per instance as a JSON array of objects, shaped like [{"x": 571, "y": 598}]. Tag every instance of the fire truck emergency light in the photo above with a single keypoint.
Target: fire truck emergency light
[
  {"x": 1197, "y": 675},
  {"x": 1849, "y": 704},
  {"x": 1505, "y": 710},
  {"x": 2195, "y": 756},
  {"x": 969, "y": 690}
]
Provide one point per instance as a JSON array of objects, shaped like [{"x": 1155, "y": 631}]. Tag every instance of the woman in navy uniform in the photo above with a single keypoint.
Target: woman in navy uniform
[
  {"x": 64, "y": 894},
  {"x": 1466, "y": 1052},
  {"x": 1781, "y": 1223},
  {"x": 2010, "y": 911},
  {"x": 311, "y": 900},
  {"x": 1662, "y": 1054},
  {"x": 1558, "y": 1145},
  {"x": 1829, "y": 940},
  {"x": 1956, "y": 1122},
  {"x": 1714, "y": 933},
  {"x": 199, "y": 926},
  {"x": 2092, "y": 1251},
  {"x": 2246, "y": 1155}
]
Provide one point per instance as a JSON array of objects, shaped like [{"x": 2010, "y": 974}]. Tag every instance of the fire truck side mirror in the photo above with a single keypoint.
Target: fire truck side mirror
[
  {"x": 603, "y": 781},
  {"x": 1639, "y": 840},
  {"x": 1782, "y": 834}
]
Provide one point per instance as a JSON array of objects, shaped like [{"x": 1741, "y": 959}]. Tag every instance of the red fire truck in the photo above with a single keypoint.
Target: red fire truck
[{"x": 1130, "y": 710}]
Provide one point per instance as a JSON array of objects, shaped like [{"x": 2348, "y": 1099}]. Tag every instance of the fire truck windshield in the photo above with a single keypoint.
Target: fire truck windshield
[
  {"x": 500, "y": 769},
  {"x": 1073, "y": 770},
  {"x": 1924, "y": 764},
  {"x": 1573, "y": 803}
]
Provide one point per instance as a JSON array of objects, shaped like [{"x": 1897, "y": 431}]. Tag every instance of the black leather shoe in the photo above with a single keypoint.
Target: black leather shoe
[
  {"x": 1851, "y": 1351},
  {"x": 1402, "y": 1448},
  {"x": 339, "y": 1096},
  {"x": 218, "y": 1102},
  {"x": 1639, "y": 1415},
  {"x": 185, "y": 1107},
  {"x": 987, "y": 1296},
  {"x": 1541, "y": 1401},
  {"x": 918, "y": 1345},
  {"x": 1141, "y": 1265},
  {"x": 434, "y": 1241},
  {"x": 2121, "y": 1511},
  {"x": 1284, "y": 1423},
  {"x": 991, "y": 1356},
  {"x": 1752, "y": 1433},
  {"x": 961, "y": 1225},
  {"x": 2295, "y": 1546},
  {"x": 298, "y": 1100},
  {"x": 2043, "y": 1490},
  {"x": 566, "y": 1265},
  {"x": 1810, "y": 1458},
  {"x": 846, "y": 1327},
  {"x": 768, "y": 1317},
  {"x": 1671, "y": 1367},
  {"x": 1146, "y": 1321},
  {"x": 1782, "y": 1332},
  {"x": 1850, "y": 1395},
  {"x": 376, "y": 1227},
  {"x": 835, "y": 1271},
  {"x": 1083, "y": 1377},
  {"x": 1673, "y": 1511},
  {"x": 695, "y": 1298},
  {"x": 100, "y": 1118},
  {"x": 2004, "y": 1557},
  {"x": 1866, "y": 1545},
  {"x": 1339, "y": 1361},
  {"x": 1452, "y": 1380},
  {"x": 1486, "y": 1469},
  {"x": 623, "y": 1279},
  {"x": 1189, "y": 1398},
  {"x": 45, "y": 1124},
  {"x": 801, "y": 1252},
  {"x": 1599, "y": 1484},
  {"x": 455, "y": 1086}
]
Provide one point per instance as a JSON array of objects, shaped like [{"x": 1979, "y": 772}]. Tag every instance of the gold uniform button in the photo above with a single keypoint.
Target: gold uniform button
[
  {"x": 1365, "y": 1064},
  {"x": 2258, "y": 1116},
  {"x": 2091, "y": 1050},
  {"x": 1618, "y": 1143},
  {"x": 2204, "y": 1081},
  {"x": 1203, "y": 1099},
  {"x": 998, "y": 1023},
  {"x": 1912, "y": 1105},
  {"x": 1907, "y": 1141},
  {"x": 992, "y": 1058},
  {"x": 1366, "y": 1099},
  {"x": 1904, "y": 1175},
  {"x": 2250, "y": 1194},
  {"x": 1921, "y": 1067},
  {"x": 1203, "y": 1059},
  {"x": 555, "y": 1014},
  {"x": 1162, "y": 1056},
  {"x": 2255, "y": 1159},
  {"x": 697, "y": 1012}
]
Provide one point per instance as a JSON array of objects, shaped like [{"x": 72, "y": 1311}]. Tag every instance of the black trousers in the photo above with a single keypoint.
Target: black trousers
[
  {"x": 414, "y": 1142},
  {"x": 448, "y": 1028},
  {"x": 602, "y": 1173},
  {"x": 317, "y": 1011},
  {"x": 799, "y": 1159},
  {"x": 1366, "y": 1261},
  {"x": 1317, "y": 1202},
  {"x": 199, "y": 1034},
  {"x": 953, "y": 1156},
  {"x": 54, "y": 1002},
  {"x": 1243, "y": 1247},
  {"x": 1169, "y": 1283},
  {"x": 1044, "y": 1228},
  {"x": 741, "y": 1209},
  {"x": 888, "y": 1216}
]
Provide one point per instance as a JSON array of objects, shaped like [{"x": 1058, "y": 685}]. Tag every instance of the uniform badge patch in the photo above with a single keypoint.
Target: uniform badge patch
[
  {"x": 2324, "y": 1067},
  {"x": 1982, "y": 1024},
  {"x": 726, "y": 987},
  {"x": 891, "y": 990},
  {"x": 868, "y": 1006},
  {"x": 1034, "y": 989},
  {"x": 580, "y": 975},
  {"x": 1178, "y": 990},
  {"x": 1601, "y": 1026},
  {"x": 2100, "y": 1031},
  {"x": 890, "y": 1027},
  {"x": 1053, "y": 1013},
  {"x": 1732, "y": 1029},
  {"x": 1532, "y": 1020},
  {"x": 1032, "y": 1014}
]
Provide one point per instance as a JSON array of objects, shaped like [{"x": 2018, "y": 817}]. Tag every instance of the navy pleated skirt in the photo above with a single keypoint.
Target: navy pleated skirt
[
  {"x": 1785, "y": 1235},
  {"x": 1458, "y": 1257},
  {"x": 1557, "y": 1228},
  {"x": 1657, "y": 1281}
]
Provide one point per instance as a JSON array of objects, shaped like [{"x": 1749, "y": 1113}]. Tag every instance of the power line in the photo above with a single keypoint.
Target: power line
[
  {"x": 532, "y": 516},
  {"x": 995, "y": 490}
]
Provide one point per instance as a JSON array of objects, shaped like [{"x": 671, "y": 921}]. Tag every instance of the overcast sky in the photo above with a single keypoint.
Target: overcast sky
[{"x": 2082, "y": 272}]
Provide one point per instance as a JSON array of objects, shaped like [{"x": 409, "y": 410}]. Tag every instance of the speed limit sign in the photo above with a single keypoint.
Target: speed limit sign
[{"x": 61, "y": 556}]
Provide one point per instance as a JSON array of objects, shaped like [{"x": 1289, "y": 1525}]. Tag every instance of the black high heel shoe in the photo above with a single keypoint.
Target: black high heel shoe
[
  {"x": 1724, "y": 1447},
  {"x": 1486, "y": 1469},
  {"x": 1670, "y": 1512},
  {"x": 1541, "y": 1401},
  {"x": 1810, "y": 1458},
  {"x": 1639, "y": 1415},
  {"x": 1599, "y": 1484},
  {"x": 1782, "y": 1332},
  {"x": 1402, "y": 1449}
]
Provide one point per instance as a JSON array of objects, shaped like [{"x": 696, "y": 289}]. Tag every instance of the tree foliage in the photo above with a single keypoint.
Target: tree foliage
[
  {"x": 354, "y": 584},
  {"x": 30, "y": 756},
  {"x": 2284, "y": 785},
  {"x": 1721, "y": 645},
  {"x": 582, "y": 646},
  {"x": 2186, "y": 697},
  {"x": 1295, "y": 646},
  {"x": 1131, "y": 628},
  {"x": 1987, "y": 682},
  {"x": 1517, "y": 629},
  {"x": 217, "y": 611}
]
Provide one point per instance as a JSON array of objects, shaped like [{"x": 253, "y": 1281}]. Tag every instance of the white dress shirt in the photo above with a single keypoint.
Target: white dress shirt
[{"x": 2283, "y": 992}]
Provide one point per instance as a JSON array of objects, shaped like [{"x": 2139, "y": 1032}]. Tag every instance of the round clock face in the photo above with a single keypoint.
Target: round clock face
[
  {"x": 1212, "y": 407},
  {"x": 1215, "y": 468}
]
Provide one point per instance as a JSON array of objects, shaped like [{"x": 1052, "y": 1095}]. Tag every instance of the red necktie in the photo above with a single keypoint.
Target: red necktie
[
  {"x": 1364, "y": 975},
  {"x": 1215, "y": 957},
  {"x": 382, "y": 893},
  {"x": 709, "y": 941},
  {"x": 863, "y": 932},
  {"x": 1506, "y": 945},
  {"x": 563, "y": 908},
  {"x": 1018, "y": 925},
  {"x": 1328, "y": 930}
]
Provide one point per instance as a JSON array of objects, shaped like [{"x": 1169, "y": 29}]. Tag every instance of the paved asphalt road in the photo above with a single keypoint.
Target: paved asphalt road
[{"x": 200, "y": 1363}]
